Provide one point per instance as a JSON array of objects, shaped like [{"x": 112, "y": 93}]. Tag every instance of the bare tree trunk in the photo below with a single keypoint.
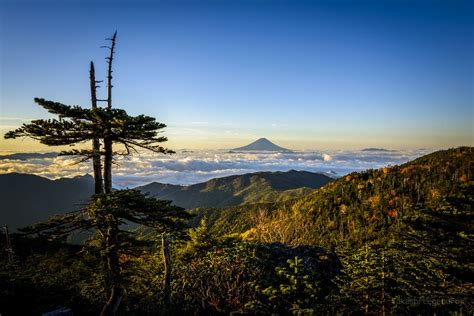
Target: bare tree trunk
[
  {"x": 8, "y": 246},
  {"x": 108, "y": 165},
  {"x": 99, "y": 186},
  {"x": 107, "y": 139},
  {"x": 383, "y": 282},
  {"x": 167, "y": 267},
  {"x": 112, "y": 269},
  {"x": 109, "y": 71},
  {"x": 112, "y": 256}
]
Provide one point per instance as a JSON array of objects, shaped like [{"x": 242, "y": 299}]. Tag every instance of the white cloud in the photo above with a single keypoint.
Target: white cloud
[
  {"x": 198, "y": 166},
  {"x": 327, "y": 157}
]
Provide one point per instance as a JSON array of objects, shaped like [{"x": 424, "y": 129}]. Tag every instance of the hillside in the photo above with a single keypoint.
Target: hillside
[
  {"x": 27, "y": 199},
  {"x": 240, "y": 189},
  {"x": 358, "y": 207},
  {"x": 402, "y": 232}
]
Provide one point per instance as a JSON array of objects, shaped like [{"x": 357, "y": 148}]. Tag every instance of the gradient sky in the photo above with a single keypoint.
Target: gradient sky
[{"x": 315, "y": 74}]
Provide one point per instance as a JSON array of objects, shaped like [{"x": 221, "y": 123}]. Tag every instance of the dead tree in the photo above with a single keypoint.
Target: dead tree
[
  {"x": 108, "y": 154},
  {"x": 112, "y": 262},
  {"x": 96, "y": 156}
]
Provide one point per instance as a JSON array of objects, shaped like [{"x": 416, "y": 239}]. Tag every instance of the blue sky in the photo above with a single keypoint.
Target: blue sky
[{"x": 305, "y": 74}]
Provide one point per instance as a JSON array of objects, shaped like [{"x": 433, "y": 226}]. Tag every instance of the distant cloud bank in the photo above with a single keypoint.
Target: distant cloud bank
[
  {"x": 327, "y": 157},
  {"x": 188, "y": 167}
]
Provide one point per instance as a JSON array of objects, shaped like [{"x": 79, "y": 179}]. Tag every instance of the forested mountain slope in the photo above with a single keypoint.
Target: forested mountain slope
[
  {"x": 259, "y": 187},
  {"x": 28, "y": 199},
  {"x": 404, "y": 234},
  {"x": 360, "y": 206}
]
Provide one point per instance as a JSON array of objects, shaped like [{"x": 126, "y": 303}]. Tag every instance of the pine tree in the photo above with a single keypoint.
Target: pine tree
[
  {"x": 362, "y": 283},
  {"x": 108, "y": 215},
  {"x": 77, "y": 125},
  {"x": 200, "y": 238},
  {"x": 108, "y": 210}
]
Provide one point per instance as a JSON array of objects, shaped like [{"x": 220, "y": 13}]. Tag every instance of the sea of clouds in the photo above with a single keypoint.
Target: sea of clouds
[{"x": 189, "y": 167}]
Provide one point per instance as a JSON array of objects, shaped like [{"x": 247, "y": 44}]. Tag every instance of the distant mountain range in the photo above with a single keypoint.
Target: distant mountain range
[
  {"x": 27, "y": 199},
  {"x": 262, "y": 144},
  {"x": 378, "y": 150},
  {"x": 240, "y": 189},
  {"x": 26, "y": 156}
]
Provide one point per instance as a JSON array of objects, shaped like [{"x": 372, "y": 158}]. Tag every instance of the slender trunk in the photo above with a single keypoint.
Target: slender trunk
[
  {"x": 111, "y": 241},
  {"x": 167, "y": 267},
  {"x": 8, "y": 246},
  {"x": 383, "y": 282},
  {"x": 366, "y": 264},
  {"x": 108, "y": 164},
  {"x": 110, "y": 60},
  {"x": 108, "y": 140},
  {"x": 112, "y": 269},
  {"x": 99, "y": 186}
]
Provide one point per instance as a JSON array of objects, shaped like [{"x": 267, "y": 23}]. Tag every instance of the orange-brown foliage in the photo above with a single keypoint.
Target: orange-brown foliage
[{"x": 393, "y": 213}]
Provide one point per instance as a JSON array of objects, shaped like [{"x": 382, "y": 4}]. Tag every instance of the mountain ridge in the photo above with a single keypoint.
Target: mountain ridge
[
  {"x": 238, "y": 189},
  {"x": 262, "y": 144},
  {"x": 361, "y": 206},
  {"x": 373, "y": 149},
  {"x": 29, "y": 198},
  {"x": 26, "y": 156}
]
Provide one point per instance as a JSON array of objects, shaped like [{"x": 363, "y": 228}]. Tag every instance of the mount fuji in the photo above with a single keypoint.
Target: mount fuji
[{"x": 262, "y": 144}]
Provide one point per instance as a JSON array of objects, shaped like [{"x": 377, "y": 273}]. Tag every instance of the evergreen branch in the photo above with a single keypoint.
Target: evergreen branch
[{"x": 59, "y": 225}]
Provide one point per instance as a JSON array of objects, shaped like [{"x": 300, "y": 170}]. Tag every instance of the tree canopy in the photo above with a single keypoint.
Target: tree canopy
[{"x": 76, "y": 125}]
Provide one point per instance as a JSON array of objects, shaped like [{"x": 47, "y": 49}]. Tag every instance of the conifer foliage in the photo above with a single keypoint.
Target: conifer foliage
[{"x": 76, "y": 125}]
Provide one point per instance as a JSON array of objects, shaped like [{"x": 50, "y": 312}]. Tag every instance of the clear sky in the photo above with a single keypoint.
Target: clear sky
[{"x": 314, "y": 74}]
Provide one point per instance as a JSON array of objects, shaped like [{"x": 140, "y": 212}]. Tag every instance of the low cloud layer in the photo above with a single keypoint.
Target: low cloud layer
[{"x": 192, "y": 167}]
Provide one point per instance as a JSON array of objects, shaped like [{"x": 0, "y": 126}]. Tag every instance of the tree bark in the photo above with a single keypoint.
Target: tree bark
[
  {"x": 107, "y": 140},
  {"x": 98, "y": 183},
  {"x": 112, "y": 268},
  {"x": 8, "y": 246},
  {"x": 109, "y": 71},
  {"x": 111, "y": 241},
  {"x": 167, "y": 268},
  {"x": 108, "y": 164}
]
